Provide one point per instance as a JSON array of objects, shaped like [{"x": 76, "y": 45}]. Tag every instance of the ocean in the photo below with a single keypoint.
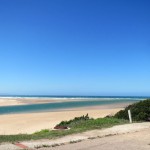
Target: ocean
[{"x": 84, "y": 101}]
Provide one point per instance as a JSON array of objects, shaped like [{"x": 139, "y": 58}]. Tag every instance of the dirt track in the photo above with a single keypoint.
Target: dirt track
[{"x": 131, "y": 141}]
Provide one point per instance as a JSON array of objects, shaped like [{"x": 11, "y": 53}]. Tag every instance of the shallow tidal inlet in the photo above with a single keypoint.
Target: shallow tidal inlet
[{"x": 81, "y": 102}]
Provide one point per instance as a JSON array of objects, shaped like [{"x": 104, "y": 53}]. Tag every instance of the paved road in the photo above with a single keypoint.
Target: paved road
[{"x": 130, "y": 141}]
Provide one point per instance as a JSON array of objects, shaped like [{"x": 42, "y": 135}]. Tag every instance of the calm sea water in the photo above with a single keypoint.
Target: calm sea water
[{"x": 85, "y": 101}]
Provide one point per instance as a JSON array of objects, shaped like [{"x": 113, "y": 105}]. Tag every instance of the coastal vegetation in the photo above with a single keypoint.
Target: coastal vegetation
[
  {"x": 140, "y": 111},
  {"x": 77, "y": 125},
  {"x": 71, "y": 123}
]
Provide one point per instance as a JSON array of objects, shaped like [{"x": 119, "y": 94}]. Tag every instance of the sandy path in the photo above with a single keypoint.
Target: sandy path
[{"x": 129, "y": 141}]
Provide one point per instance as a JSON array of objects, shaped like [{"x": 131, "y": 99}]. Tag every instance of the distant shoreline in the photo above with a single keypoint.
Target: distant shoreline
[{"x": 13, "y": 101}]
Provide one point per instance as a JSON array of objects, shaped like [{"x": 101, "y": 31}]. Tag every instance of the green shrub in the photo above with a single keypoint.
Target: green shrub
[
  {"x": 76, "y": 120},
  {"x": 140, "y": 111}
]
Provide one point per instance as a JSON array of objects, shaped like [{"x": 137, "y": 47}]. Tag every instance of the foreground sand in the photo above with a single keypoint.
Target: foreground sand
[{"x": 32, "y": 122}]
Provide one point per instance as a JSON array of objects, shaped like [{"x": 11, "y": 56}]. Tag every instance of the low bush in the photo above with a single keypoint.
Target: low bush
[
  {"x": 75, "y": 121},
  {"x": 140, "y": 111}
]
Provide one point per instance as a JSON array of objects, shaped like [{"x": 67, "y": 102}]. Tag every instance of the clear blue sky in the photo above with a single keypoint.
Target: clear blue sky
[{"x": 75, "y": 47}]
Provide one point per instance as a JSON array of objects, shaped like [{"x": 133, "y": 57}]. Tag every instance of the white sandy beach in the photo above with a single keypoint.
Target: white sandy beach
[
  {"x": 26, "y": 101},
  {"x": 9, "y": 102},
  {"x": 32, "y": 122}
]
